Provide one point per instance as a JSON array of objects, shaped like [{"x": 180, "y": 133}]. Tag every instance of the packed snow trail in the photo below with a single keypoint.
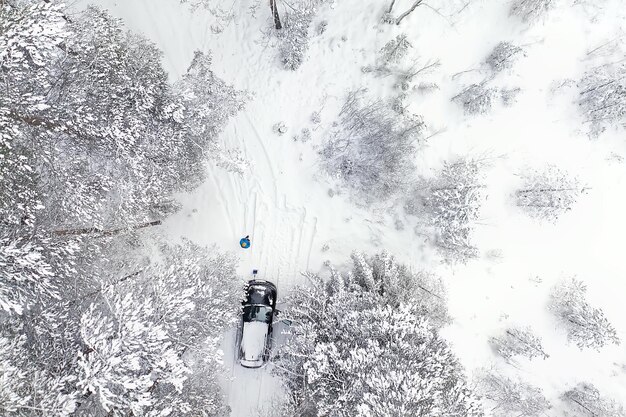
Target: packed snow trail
[{"x": 282, "y": 238}]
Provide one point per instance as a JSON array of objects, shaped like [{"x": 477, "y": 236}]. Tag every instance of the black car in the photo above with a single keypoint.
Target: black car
[{"x": 255, "y": 337}]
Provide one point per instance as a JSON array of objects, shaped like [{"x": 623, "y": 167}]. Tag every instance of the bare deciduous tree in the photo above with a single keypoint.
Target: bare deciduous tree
[
  {"x": 549, "y": 193},
  {"x": 372, "y": 152},
  {"x": 503, "y": 56},
  {"x": 587, "y": 401},
  {"x": 475, "y": 99},
  {"x": 586, "y": 326},
  {"x": 529, "y": 10},
  {"x": 452, "y": 202},
  {"x": 512, "y": 398},
  {"x": 603, "y": 97},
  {"x": 518, "y": 342}
]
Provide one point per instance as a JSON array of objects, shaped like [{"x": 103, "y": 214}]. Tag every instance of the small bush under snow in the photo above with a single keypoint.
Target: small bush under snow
[{"x": 475, "y": 99}]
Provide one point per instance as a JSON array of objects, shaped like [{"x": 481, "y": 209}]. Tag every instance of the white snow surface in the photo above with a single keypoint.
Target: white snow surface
[{"x": 283, "y": 201}]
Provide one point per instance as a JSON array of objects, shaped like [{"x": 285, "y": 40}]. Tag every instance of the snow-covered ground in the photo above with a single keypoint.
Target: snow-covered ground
[{"x": 283, "y": 202}]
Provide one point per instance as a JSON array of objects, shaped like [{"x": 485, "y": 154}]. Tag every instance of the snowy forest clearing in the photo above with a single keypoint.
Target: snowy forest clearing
[{"x": 506, "y": 112}]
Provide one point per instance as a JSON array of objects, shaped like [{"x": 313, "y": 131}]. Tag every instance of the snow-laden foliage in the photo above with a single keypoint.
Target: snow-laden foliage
[
  {"x": 373, "y": 149},
  {"x": 602, "y": 97},
  {"x": 504, "y": 56},
  {"x": 548, "y": 194},
  {"x": 512, "y": 398},
  {"x": 127, "y": 352},
  {"x": 93, "y": 122},
  {"x": 138, "y": 343},
  {"x": 293, "y": 33},
  {"x": 529, "y": 10},
  {"x": 395, "y": 50},
  {"x": 29, "y": 39},
  {"x": 396, "y": 284},
  {"x": 586, "y": 401},
  {"x": 355, "y": 354},
  {"x": 395, "y": 59},
  {"x": 147, "y": 343},
  {"x": 294, "y": 37},
  {"x": 94, "y": 142},
  {"x": 36, "y": 377},
  {"x": 92, "y": 137},
  {"x": 517, "y": 341},
  {"x": 451, "y": 202},
  {"x": 509, "y": 95},
  {"x": 30, "y": 270},
  {"x": 586, "y": 326},
  {"x": 206, "y": 104},
  {"x": 475, "y": 99}
]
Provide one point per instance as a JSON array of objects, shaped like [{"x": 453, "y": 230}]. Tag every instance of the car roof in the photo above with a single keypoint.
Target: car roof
[{"x": 260, "y": 292}]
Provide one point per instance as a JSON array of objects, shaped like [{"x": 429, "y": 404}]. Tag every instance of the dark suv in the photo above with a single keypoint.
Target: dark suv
[{"x": 255, "y": 337}]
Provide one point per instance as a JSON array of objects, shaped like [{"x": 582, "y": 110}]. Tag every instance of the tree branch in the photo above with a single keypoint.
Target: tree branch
[
  {"x": 111, "y": 232},
  {"x": 408, "y": 12}
]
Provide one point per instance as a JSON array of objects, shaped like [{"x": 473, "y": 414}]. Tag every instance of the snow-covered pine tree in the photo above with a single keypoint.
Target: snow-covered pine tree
[
  {"x": 29, "y": 390},
  {"x": 170, "y": 321},
  {"x": 517, "y": 341},
  {"x": 125, "y": 140},
  {"x": 96, "y": 142},
  {"x": 355, "y": 354},
  {"x": 586, "y": 326},
  {"x": 397, "y": 285}
]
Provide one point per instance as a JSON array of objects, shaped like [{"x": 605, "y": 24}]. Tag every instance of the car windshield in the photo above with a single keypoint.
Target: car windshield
[
  {"x": 257, "y": 313},
  {"x": 258, "y": 294}
]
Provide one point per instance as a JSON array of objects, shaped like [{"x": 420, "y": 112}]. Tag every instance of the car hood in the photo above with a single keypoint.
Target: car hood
[{"x": 252, "y": 346}]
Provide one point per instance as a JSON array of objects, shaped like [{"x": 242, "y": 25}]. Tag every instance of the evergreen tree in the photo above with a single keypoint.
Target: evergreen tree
[
  {"x": 94, "y": 142},
  {"x": 355, "y": 354}
]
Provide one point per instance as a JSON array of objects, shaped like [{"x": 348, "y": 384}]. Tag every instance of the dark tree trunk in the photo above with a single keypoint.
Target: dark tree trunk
[
  {"x": 277, "y": 23},
  {"x": 94, "y": 230},
  {"x": 408, "y": 12}
]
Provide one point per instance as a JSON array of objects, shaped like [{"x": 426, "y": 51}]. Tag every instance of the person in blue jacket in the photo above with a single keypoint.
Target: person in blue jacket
[{"x": 245, "y": 242}]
